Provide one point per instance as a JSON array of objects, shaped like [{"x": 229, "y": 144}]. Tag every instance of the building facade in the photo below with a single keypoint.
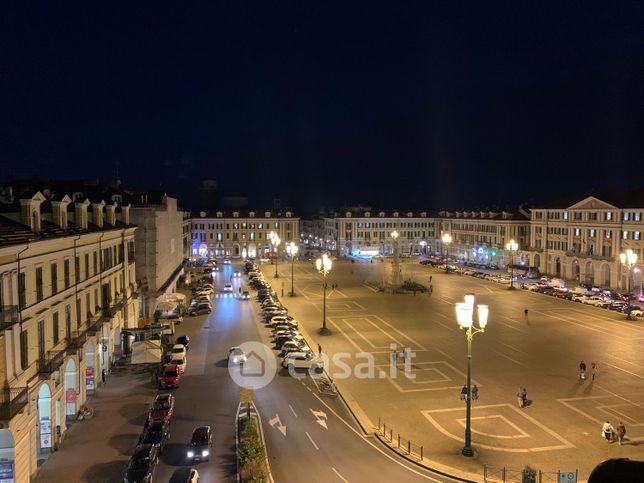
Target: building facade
[
  {"x": 583, "y": 241},
  {"x": 159, "y": 246},
  {"x": 239, "y": 234},
  {"x": 481, "y": 236},
  {"x": 67, "y": 291},
  {"x": 368, "y": 233}
]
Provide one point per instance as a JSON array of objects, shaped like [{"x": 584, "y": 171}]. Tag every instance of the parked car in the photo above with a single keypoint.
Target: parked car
[
  {"x": 157, "y": 433},
  {"x": 303, "y": 360},
  {"x": 170, "y": 377},
  {"x": 185, "y": 475},
  {"x": 178, "y": 350},
  {"x": 185, "y": 340},
  {"x": 279, "y": 342},
  {"x": 236, "y": 355},
  {"x": 199, "y": 309},
  {"x": 162, "y": 408},
  {"x": 180, "y": 362},
  {"x": 293, "y": 346},
  {"x": 200, "y": 443},
  {"x": 141, "y": 467}
]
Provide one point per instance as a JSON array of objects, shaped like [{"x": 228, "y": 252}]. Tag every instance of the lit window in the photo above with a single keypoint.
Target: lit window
[
  {"x": 565, "y": 215},
  {"x": 636, "y": 235},
  {"x": 625, "y": 216},
  {"x": 624, "y": 235}
]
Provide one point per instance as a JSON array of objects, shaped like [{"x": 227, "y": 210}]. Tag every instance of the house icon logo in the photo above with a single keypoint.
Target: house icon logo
[{"x": 258, "y": 370}]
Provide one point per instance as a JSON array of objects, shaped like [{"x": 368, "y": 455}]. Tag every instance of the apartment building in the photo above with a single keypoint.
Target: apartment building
[
  {"x": 67, "y": 290},
  {"x": 240, "y": 234},
  {"x": 481, "y": 236},
  {"x": 367, "y": 233},
  {"x": 583, "y": 239}
]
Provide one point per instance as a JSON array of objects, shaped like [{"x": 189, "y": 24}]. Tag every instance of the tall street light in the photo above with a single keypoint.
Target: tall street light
[
  {"x": 629, "y": 259},
  {"x": 512, "y": 247},
  {"x": 464, "y": 317},
  {"x": 395, "y": 275},
  {"x": 323, "y": 265},
  {"x": 292, "y": 250},
  {"x": 446, "y": 239},
  {"x": 275, "y": 241}
]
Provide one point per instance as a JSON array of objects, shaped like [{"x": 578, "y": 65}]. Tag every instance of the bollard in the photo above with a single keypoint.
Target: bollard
[
  {"x": 391, "y": 435},
  {"x": 408, "y": 447},
  {"x": 384, "y": 429},
  {"x": 399, "y": 440},
  {"x": 421, "y": 453}
]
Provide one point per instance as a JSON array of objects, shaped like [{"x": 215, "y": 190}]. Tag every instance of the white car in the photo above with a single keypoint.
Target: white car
[
  {"x": 236, "y": 355},
  {"x": 637, "y": 313},
  {"x": 236, "y": 274},
  {"x": 578, "y": 297},
  {"x": 180, "y": 361},
  {"x": 303, "y": 360},
  {"x": 228, "y": 287},
  {"x": 292, "y": 346},
  {"x": 205, "y": 291},
  {"x": 178, "y": 350},
  {"x": 227, "y": 261}
]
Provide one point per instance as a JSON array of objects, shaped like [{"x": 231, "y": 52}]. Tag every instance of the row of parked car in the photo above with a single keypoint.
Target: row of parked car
[
  {"x": 293, "y": 349},
  {"x": 201, "y": 301},
  {"x": 588, "y": 295}
]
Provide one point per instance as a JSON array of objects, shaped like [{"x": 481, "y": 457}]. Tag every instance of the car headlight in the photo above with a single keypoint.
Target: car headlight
[
  {"x": 205, "y": 452},
  {"x": 234, "y": 360},
  {"x": 191, "y": 454}
]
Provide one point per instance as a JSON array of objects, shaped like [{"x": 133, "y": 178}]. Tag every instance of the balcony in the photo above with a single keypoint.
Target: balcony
[
  {"x": 95, "y": 327},
  {"x": 9, "y": 315},
  {"x": 77, "y": 343},
  {"x": 52, "y": 363},
  {"x": 12, "y": 400}
]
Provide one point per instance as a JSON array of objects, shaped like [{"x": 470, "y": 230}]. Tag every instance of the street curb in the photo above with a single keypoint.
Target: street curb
[{"x": 254, "y": 413}]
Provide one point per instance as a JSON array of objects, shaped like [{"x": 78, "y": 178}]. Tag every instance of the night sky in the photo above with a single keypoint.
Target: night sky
[{"x": 390, "y": 104}]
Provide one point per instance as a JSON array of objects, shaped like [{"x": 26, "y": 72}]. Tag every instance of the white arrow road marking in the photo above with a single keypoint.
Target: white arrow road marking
[
  {"x": 311, "y": 439},
  {"x": 276, "y": 422},
  {"x": 320, "y": 418}
]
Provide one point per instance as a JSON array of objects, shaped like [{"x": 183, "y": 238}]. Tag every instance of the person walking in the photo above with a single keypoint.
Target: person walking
[
  {"x": 431, "y": 289},
  {"x": 607, "y": 431},
  {"x": 582, "y": 370},
  {"x": 464, "y": 393},
  {"x": 593, "y": 369},
  {"x": 394, "y": 357},
  {"x": 475, "y": 392},
  {"x": 430, "y": 278},
  {"x": 621, "y": 433},
  {"x": 524, "y": 396},
  {"x": 525, "y": 314},
  {"x": 520, "y": 399}
]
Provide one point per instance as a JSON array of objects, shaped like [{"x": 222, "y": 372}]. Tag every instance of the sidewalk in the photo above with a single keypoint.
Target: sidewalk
[{"x": 98, "y": 449}]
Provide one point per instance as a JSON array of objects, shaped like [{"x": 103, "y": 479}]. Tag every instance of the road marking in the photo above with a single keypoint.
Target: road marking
[
  {"x": 339, "y": 475},
  {"x": 311, "y": 440},
  {"x": 623, "y": 370},
  {"x": 320, "y": 418},
  {"x": 275, "y": 422},
  {"x": 292, "y": 410},
  {"x": 510, "y": 347},
  {"x": 509, "y": 358}
]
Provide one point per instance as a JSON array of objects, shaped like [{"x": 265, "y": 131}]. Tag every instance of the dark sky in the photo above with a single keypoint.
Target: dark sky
[{"x": 394, "y": 104}]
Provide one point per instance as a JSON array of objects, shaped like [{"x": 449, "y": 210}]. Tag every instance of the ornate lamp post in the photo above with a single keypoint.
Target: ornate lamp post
[
  {"x": 275, "y": 241},
  {"x": 446, "y": 239},
  {"x": 464, "y": 317},
  {"x": 323, "y": 265},
  {"x": 395, "y": 276},
  {"x": 512, "y": 247},
  {"x": 629, "y": 259},
  {"x": 292, "y": 250}
]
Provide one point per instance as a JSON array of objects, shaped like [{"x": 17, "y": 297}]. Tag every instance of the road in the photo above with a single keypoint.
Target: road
[{"x": 309, "y": 438}]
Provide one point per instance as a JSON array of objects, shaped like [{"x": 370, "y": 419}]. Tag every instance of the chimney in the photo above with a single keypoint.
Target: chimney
[
  {"x": 125, "y": 214},
  {"x": 30, "y": 211},
  {"x": 97, "y": 213},
  {"x": 110, "y": 214},
  {"x": 80, "y": 214},
  {"x": 59, "y": 212}
]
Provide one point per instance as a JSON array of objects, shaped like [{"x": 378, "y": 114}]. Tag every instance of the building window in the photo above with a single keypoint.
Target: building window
[
  {"x": 39, "y": 294},
  {"x": 626, "y": 216},
  {"x": 88, "y": 305},
  {"x": 76, "y": 269},
  {"x": 95, "y": 263},
  {"x": 565, "y": 215},
  {"x": 608, "y": 216},
  {"x": 79, "y": 315},
  {"x": 624, "y": 235},
  {"x": 636, "y": 235},
  {"x": 637, "y": 216},
  {"x": 66, "y": 273},
  {"x": 54, "y": 279},
  {"x": 591, "y": 232},
  {"x": 22, "y": 283},
  {"x": 607, "y": 234},
  {"x": 577, "y": 231},
  {"x": 55, "y": 328},
  {"x": 24, "y": 348},
  {"x": 68, "y": 321},
  {"x": 86, "y": 266}
]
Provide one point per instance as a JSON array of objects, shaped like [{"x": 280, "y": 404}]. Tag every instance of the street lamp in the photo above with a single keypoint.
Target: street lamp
[
  {"x": 629, "y": 259},
  {"x": 275, "y": 241},
  {"x": 464, "y": 313},
  {"x": 512, "y": 246},
  {"x": 446, "y": 239},
  {"x": 292, "y": 250},
  {"x": 323, "y": 265}
]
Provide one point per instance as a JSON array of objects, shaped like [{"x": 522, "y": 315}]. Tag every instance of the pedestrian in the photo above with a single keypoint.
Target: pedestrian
[
  {"x": 582, "y": 370},
  {"x": 475, "y": 392},
  {"x": 593, "y": 369},
  {"x": 524, "y": 396},
  {"x": 319, "y": 349},
  {"x": 621, "y": 433},
  {"x": 103, "y": 376},
  {"x": 430, "y": 278},
  {"x": 520, "y": 399},
  {"x": 394, "y": 356},
  {"x": 464, "y": 393},
  {"x": 607, "y": 431},
  {"x": 431, "y": 289},
  {"x": 525, "y": 314},
  {"x": 240, "y": 290}
]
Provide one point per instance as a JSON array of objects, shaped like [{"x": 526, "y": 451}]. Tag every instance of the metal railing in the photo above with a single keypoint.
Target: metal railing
[
  {"x": 9, "y": 315},
  {"x": 399, "y": 443},
  {"x": 52, "y": 363},
  {"x": 513, "y": 475},
  {"x": 12, "y": 400}
]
